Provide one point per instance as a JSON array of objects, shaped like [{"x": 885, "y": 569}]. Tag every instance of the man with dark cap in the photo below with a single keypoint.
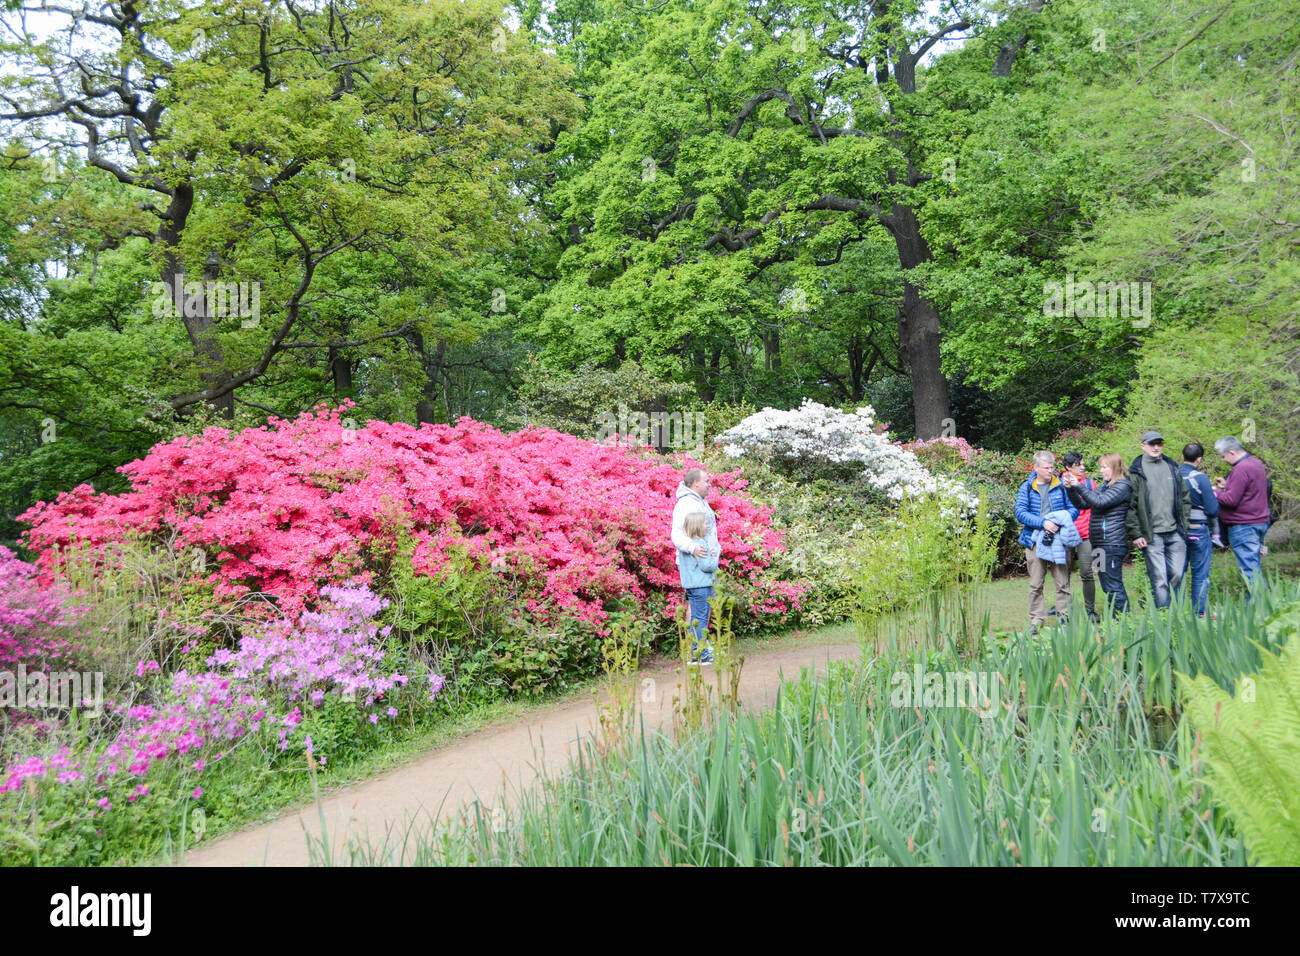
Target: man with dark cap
[{"x": 1157, "y": 519}]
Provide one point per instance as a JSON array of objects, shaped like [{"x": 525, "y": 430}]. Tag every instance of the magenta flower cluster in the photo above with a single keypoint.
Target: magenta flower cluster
[
  {"x": 201, "y": 710},
  {"x": 332, "y": 651},
  {"x": 30, "y": 615}
]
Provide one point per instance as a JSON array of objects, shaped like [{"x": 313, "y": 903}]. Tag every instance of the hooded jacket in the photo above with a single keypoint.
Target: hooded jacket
[
  {"x": 1058, "y": 552},
  {"x": 1138, "y": 520},
  {"x": 1109, "y": 506}
]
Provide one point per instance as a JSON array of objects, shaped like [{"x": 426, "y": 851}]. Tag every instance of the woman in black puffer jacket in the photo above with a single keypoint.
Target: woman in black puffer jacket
[{"x": 1109, "y": 504}]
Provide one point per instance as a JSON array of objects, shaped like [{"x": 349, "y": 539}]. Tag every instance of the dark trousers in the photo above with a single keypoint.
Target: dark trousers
[
  {"x": 1199, "y": 550},
  {"x": 1111, "y": 574}
]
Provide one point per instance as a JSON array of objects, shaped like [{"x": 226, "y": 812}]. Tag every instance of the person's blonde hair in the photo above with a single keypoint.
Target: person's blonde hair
[
  {"x": 696, "y": 524},
  {"x": 1117, "y": 469}
]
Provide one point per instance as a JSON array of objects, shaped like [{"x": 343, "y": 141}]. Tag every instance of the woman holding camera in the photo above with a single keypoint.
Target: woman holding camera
[{"x": 1109, "y": 504}]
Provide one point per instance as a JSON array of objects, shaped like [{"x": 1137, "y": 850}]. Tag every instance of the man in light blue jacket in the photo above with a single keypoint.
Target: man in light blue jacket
[{"x": 1040, "y": 496}]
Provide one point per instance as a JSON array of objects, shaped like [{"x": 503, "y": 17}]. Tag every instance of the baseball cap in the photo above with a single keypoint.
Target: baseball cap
[{"x": 1152, "y": 437}]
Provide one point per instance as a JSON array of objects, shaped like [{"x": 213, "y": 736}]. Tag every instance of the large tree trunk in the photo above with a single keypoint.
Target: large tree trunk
[
  {"x": 341, "y": 372},
  {"x": 919, "y": 329},
  {"x": 858, "y": 370},
  {"x": 426, "y": 409},
  {"x": 208, "y": 356},
  {"x": 772, "y": 350}
]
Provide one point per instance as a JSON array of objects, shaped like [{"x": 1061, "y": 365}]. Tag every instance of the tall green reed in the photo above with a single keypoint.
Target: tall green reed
[{"x": 1062, "y": 769}]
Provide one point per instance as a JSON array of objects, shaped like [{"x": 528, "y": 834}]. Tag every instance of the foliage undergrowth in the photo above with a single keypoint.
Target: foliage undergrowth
[{"x": 1080, "y": 760}]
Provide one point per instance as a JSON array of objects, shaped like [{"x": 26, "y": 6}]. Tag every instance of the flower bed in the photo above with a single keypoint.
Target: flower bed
[{"x": 301, "y": 504}]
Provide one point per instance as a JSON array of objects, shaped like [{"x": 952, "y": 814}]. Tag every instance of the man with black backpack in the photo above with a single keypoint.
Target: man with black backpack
[{"x": 1202, "y": 522}]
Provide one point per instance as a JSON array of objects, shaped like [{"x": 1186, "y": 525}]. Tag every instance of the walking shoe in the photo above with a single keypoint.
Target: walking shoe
[
  {"x": 1033, "y": 630},
  {"x": 1094, "y": 617},
  {"x": 1052, "y": 613},
  {"x": 701, "y": 657}
]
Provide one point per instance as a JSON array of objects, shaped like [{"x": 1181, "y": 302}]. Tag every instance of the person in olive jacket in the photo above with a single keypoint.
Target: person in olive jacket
[
  {"x": 1157, "y": 519},
  {"x": 1109, "y": 503}
]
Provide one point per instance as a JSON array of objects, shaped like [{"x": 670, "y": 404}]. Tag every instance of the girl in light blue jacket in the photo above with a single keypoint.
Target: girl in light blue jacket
[{"x": 697, "y": 580}]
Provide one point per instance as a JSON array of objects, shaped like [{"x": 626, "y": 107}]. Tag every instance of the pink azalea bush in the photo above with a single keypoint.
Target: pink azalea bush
[
  {"x": 330, "y": 650},
  {"x": 941, "y": 448},
  {"x": 199, "y": 711},
  {"x": 300, "y": 504},
  {"x": 32, "y": 616},
  {"x": 280, "y": 674}
]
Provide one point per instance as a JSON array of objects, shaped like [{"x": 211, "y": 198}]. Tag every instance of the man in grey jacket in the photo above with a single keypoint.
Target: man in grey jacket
[{"x": 1157, "y": 518}]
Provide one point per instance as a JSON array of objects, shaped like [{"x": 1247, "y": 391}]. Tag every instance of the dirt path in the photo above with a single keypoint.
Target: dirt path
[{"x": 479, "y": 764}]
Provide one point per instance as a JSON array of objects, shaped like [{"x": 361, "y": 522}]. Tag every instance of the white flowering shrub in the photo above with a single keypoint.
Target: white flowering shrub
[{"x": 816, "y": 434}]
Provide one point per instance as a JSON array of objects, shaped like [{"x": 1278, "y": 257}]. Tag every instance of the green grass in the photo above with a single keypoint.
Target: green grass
[{"x": 1079, "y": 764}]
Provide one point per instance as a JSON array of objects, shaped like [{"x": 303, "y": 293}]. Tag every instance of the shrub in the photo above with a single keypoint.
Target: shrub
[
  {"x": 297, "y": 505},
  {"x": 815, "y": 440},
  {"x": 572, "y": 401},
  {"x": 925, "y": 560},
  {"x": 32, "y": 618},
  {"x": 994, "y": 475}
]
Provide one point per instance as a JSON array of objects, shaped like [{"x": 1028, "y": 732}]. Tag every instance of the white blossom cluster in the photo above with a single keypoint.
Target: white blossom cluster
[{"x": 814, "y": 432}]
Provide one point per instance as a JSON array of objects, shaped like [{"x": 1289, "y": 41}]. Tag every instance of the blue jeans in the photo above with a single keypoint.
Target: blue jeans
[
  {"x": 1245, "y": 540},
  {"x": 1199, "y": 549},
  {"x": 698, "y": 601},
  {"x": 1166, "y": 557},
  {"x": 1111, "y": 573}
]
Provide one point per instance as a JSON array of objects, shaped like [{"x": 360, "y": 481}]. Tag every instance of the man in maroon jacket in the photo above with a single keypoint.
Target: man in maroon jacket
[{"x": 1243, "y": 504}]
